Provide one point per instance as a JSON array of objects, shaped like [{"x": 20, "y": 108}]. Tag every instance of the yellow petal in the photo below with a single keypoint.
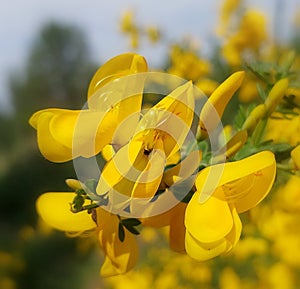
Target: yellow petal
[
  {"x": 133, "y": 173},
  {"x": 213, "y": 109},
  {"x": 49, "y": 147},
  {"x": 203, "y": 251},
  {"x": 210, "y": 221},
  {"x": 121, "y": 108},
  {"x": 295, "y": 155},
  {"x": 121, "y": 65},
  {"x": 249, "y": 180},
  {"x": 177, "y": 228},
  {"x": 92, "y": 131},
  {"x": 235, "y": 233},
  {"x": 108, "y": 152},
  {"x": 157, "y": 221},
  {"x": 235, "y": 143},
  {"x": 54, "y": 209},
  {"x": 276, "y": 94},
  {"x": 172, "y": 117},
  {"x": 184, "y": 169},
  {"x": 120, "y": 256},
  {"x": 33, "y": 120}
]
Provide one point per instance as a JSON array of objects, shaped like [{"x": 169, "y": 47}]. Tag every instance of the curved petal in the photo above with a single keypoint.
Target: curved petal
[
  {"x": 120, "y": 256},
  {"x": 54, "y": 209},
  {"x": 177, "y": 228},
  {"x": 213, "y": 109},
  {"x": 184, "y": 169},
  {"x": 249, "y": 180},
  {"x": 210, "y": 221},
  {"x": 123, "y": 64},
  {"x": 132, "y": 172},
  {"x": 235, "y": 233},
  {"x": 66, "y": 134},
  {"x": 33, "y": 120},
  {"x": 203, "y": 251},
  {"x": 172, "y": 117},
  {"x": 50, "y": 148}
]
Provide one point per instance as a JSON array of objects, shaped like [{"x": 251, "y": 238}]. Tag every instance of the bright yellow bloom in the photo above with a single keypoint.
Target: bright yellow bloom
[
  {"x": 248, "y": 38},
  {"x": 276, "y": 94},
  {"x": 248, "y": 91},
  {"x": 187, "y": 64},
  {"x": 289, "y": 194},
  {"x": 213, "y": 109},
  {"x": 227, "y": 9},
  {"x": 280, "y": 276},
  {"x": 284, "y": 128},
  {"x": 213, "y": 227},
  {"x": 136, "y": 170},
  {"x": 54, "y": 209},
  {"x": 65, "y": 134},
  {"x": 207, "y": 86},
  {"x": 120, "y": 256}
]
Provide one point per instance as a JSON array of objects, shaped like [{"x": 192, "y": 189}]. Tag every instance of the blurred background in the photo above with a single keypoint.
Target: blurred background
[{"x": 49, "y": 52}]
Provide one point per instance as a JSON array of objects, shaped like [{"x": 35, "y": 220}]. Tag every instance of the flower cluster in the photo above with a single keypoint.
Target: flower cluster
[{"x": 172, "y": 164}]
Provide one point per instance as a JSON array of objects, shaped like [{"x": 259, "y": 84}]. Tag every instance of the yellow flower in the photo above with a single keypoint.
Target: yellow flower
[
  {"x": 213, "y": 227},
  {"x": 284, "y": 128},
  {"x": 248, "y": 38},
  {"x": 120, "y": 256},
  {"x": 54, "y": 209},
  {"x": 187, "y": 64},
  {"x": 66, "y": 134},
  {"x": 136, "y": 170},
  {"x": 227, "y": 9}
]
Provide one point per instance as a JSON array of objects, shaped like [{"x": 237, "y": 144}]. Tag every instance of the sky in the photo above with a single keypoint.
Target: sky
[{"x": 22, "y": 20}]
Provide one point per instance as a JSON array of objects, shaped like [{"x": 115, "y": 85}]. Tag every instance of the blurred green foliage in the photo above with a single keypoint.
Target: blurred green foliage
[{"x": 56, "y": 74}]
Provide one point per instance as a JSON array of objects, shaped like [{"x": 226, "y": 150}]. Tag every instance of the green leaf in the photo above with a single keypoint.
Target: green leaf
[
  {"x": 121, "y": 232},
  {"x": 77, "y": 203},
  {"x": 131, "y": 222},
  {"x": 132, "y": 229},
  {"x": 261, "y": 92}
]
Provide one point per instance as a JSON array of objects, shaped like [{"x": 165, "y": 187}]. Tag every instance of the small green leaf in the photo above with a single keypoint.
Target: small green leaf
[
  {"x": 261, "y": 92},
  {"x": 131, "y": 222},
  {"x": 77, "y": 203},
  {"x": 132, "y": 229},
  {"x": 121, "y": 232}
]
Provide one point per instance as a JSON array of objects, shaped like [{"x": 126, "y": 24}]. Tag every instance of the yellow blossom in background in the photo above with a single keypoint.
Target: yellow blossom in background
[
  {"x": 129, "y": 27},
  {"x": 249, "y": 247},
  {"x": 187, "y": 64},
  {"x": 280, "y": 276},
  {"x": 229, "y": 279},
  {"x": 248, "y": 90},
  {"x": 207, "y": 86},
  {"x": 227, "y": 9},
  {"x": 248, "y": 38},
  {"x": 284, "y": 128},
  {"x": 289, "y": 194}
]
